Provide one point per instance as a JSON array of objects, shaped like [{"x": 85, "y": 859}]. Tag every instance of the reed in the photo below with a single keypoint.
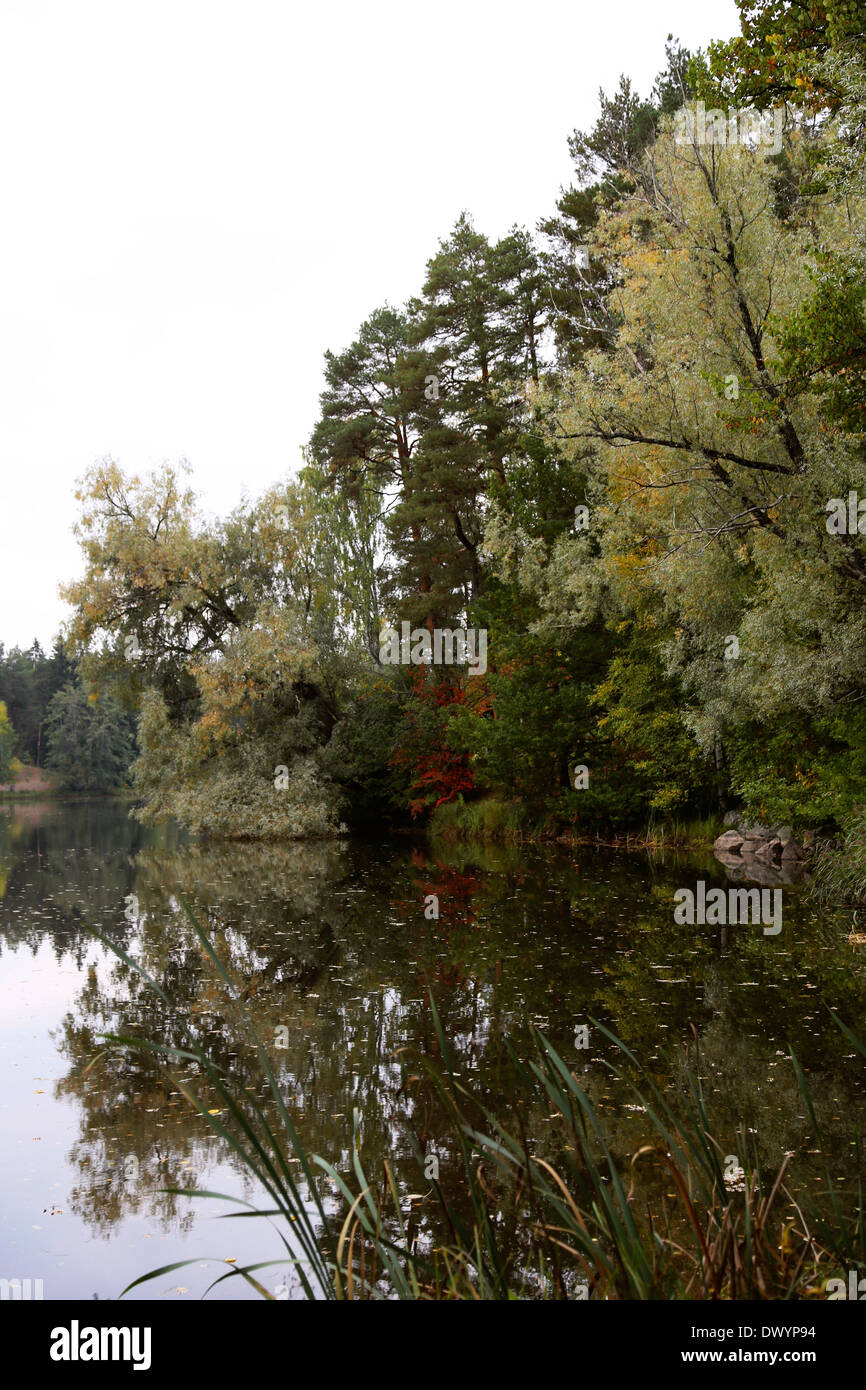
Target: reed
[{"x": 583, "y": 1227}]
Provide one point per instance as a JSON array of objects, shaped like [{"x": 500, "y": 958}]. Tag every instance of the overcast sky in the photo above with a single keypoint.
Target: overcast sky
[{"x": 199, "y": 198}]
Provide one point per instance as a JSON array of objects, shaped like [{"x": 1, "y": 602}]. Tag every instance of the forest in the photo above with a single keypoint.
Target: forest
[
  {"x": 626, "y": 446},
  {"x": 49, "y": 720}
]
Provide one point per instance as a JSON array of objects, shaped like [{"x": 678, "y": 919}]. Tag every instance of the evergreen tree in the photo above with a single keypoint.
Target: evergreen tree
[{"x": 88, "y": 740}]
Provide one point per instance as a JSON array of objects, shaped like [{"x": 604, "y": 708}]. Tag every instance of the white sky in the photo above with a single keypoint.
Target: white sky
[{"x": 198, "y": 198}]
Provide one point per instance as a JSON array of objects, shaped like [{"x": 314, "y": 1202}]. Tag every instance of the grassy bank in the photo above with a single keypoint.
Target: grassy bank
[
  {"x": 492, "y": 819},
  {"x": 839, "y": 868}
]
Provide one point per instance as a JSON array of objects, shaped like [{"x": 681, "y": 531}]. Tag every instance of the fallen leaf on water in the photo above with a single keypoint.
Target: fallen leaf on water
[{"x": 232, "y": 1260}]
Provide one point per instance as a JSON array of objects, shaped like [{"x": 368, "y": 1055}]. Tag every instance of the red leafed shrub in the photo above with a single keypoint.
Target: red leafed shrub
[{"x": 437, "y": 772}]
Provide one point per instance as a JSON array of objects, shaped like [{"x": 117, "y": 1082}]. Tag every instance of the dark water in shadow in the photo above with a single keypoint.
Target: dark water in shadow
[{"x": 330, "y": 945}]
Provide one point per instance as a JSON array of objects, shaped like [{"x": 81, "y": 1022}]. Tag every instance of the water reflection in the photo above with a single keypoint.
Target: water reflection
[{"x": 330, "y": 950}]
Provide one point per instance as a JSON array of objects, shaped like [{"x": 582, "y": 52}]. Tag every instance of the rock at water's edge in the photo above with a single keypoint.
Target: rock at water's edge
[{"x": 728, "y": 843}]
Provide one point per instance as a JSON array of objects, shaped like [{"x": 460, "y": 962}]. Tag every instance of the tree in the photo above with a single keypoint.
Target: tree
[
  {"x": 28, "y": 679},
  {"x": 232, "y": 639},
  {"x": 779, "y": 54},
  {"x": 158, "y": 588},
  {"x": 88, "y": 741},
  {"x": 608, "y": 162},
  {"x": 823, "y": 342},
  {"x": 7, "y": 745},
  {"x": 373, "y": 410},
  {"x": 251, "y": 764},
  {"x": 709, "y": 477}
]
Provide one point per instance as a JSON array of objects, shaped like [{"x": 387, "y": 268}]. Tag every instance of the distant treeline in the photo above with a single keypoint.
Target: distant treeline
[
  {"x": 48, "y": 719},
  {"x": 28, "y": 680}
]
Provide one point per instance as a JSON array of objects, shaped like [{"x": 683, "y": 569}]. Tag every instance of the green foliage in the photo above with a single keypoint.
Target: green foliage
[
  {"x": 7, "y": 744},
  {"x": 28, "y": 680},
  {"x": 639, "y": 705},
  {"x": 250, "y": 765},
  {"x": 88, "y": 740},
  {"x": 708, "y": 505},
  {"x": 778, "y": 54},
  {"x": 535, "y": 721},
  {"x": 824, "y": 342},
  {"x": 359, "y": 755},
  {"x": 804, "y": 772}
]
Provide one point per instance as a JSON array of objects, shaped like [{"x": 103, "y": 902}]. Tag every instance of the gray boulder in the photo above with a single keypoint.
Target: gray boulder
[
  {"x": 769, "y": 852},
  {"x": 728, "y": 843},
  {"x": 751, "y": 844}
]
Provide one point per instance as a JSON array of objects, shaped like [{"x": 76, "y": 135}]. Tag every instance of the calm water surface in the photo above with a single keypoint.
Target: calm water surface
[{"x": 329, "y": 944}]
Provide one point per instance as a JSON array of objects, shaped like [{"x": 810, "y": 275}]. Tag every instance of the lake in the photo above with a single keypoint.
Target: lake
[{"x": 330, "y": 946}]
